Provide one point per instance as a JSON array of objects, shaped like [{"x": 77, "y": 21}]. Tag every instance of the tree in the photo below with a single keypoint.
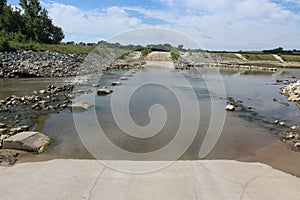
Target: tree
[
  {"x": 2, "y": 4},
  {"x": 38, "y": 26}
]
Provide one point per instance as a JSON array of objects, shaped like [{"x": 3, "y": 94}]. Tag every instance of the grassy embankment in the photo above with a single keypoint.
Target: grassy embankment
[
  {"x": 60, "y": 48},
  {"x": 260, "y": 56}
]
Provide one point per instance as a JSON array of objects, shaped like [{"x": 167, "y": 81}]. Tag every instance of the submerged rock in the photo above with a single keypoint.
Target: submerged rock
[
  {"x": 28, "y": 141},
  {"x": 123, "y": 78},
  {"x": 80, "y": 106},
  {"x": 116, "y": 83},
  {"x": 104, "y": 91}
]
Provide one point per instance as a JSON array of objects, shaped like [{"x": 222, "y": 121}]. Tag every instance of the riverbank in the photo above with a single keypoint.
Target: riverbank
[
  {"x": 89, "y": 179},
  {"x": 39, "y": 64}
]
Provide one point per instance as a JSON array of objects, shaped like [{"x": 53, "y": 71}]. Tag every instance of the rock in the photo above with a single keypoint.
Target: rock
[
  {"x": 28, "y": 141},
  {"x": 276, "y": 122},
  {"x": 2, "y": 125},
  {"x": 297, "y": 144},
  {"x": 3, "y": 137},
  {"x": 104, "y": 91},
  {"x": 290, "y": 136},
  {"x": 230, "y": 107},
  {"x": 282, "y": 123},
  {"x": 13, "y": 131},
  {"x": 116, "y": 83},
  {"x": 281, "y": 102},
  {"x": 80, "y": 106},
  {"x": 294, "y": 127},
  {"x": 3, "y": 131},
  {"x": 8, "y": 158},
  {"x": 42, "y": 92}
]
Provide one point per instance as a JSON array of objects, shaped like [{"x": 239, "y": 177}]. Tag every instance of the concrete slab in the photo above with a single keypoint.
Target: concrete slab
[{"x": 89, "y": 179}]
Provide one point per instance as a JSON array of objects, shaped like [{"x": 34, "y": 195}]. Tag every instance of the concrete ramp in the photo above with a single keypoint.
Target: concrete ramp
[
  {"x": 240, "y": 56},
  {"x": 277, "y": 57},
  {"x": 188, "y": 180},
  {"x": 159, "y": 56}
]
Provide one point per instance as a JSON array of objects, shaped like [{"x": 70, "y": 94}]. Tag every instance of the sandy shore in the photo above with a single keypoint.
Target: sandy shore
[{"x": 89, "y": 179}]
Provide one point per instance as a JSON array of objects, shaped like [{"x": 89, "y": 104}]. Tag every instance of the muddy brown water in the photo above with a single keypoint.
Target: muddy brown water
[{"x": 246, "y": 135}]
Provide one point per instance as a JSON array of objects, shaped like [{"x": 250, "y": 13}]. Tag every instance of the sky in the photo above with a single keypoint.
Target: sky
[{"x": 212, "y": 24}]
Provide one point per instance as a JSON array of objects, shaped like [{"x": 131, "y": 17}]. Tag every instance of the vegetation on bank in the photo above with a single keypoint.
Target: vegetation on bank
[
  {"x": 146, "y": 51},
  {"x": 27, "y": 24},
  {"x": 265, "y": 55},
  {"x": 174, "y": 54},
  {"x": 60, "y": 48}
]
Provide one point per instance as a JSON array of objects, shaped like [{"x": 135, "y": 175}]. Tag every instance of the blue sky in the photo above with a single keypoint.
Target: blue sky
[{"x": 214, "y": 25}]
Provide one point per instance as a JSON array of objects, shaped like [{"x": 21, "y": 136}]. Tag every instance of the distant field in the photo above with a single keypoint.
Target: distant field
[
  {"x": 259, "y": 56},
  {"x": 291, "y": 58},
  {"x": 61, "y": 48}
]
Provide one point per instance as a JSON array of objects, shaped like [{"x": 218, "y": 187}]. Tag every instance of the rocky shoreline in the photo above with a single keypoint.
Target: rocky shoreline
[
  {"x": 39, "y": 64},
  {"x": 199, "y": 59},
  {"x": 292, "y": 92},
  {"x": 18, "y": 115}
]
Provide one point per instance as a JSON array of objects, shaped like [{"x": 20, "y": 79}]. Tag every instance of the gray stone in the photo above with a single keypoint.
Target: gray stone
[
  {"x": 27, "y": 141},
  {"x": 3, "y": 131},
  {"x": 297, "y": 144},
  {"x": 80, "y": 106},
  {"x": 2, "y": 125},
  {"x": 281, "y": 123},
  {"x": 104, "y": 91},
  {"x": 123, "y": 78},
  {"x": 116, "y": 83}
]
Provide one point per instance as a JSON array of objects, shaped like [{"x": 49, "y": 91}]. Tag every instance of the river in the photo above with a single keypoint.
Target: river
[{"x": 247, "y": 135}]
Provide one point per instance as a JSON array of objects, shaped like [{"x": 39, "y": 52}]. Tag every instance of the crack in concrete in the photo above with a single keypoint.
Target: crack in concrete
[
  {"x": 246, "y": 185},
  {"x": 95, "y": 183},
  {"x": 218, "y": 175}
]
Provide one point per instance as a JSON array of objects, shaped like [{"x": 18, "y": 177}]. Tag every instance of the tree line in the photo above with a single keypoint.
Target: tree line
[
  {"x": 29, "y": 23},
  {"x": 280, "y": 50}
]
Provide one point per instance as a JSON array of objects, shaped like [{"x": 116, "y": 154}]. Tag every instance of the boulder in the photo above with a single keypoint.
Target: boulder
[
  {"x": 230, "y": 107},
  {"x": 3, "y": 131},
  {"x": 282, "y": 123},
  {"x": 104, "y": 91},
  {"x": 80, "y": 106},
  {"x": 2, "y": 125},
  {"x": 123, "y": 78},
  {"x": 297, "y": 144},
  {"x": 28, "y": 141},
  {"x": 116, "y": 83}
]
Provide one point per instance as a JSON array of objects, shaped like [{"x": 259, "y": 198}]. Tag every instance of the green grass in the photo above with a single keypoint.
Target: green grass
[
  {"x": 291, "y": 58},
  {"x": 60, "y": 48},
  {"x": 145, "y": 52},
  {"x": 174, "y": 54},
  {"x": 258, "y": 56}
]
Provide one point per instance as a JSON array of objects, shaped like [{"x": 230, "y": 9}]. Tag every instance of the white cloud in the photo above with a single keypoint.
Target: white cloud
[
  {"x": 81, "y": 24},
  {"x": 223, "y": 24}
]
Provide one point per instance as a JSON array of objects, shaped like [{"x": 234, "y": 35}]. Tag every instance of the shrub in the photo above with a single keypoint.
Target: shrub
[
  {"x": 4, "y": 44},
  {"x": 174, "y": 54},
  {"x": 146, "y": 52}
]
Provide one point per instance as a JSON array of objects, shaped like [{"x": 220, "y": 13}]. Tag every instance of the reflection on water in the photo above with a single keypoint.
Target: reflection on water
[
  {"x": 25, "y": 86},
  {"x": 239, "y": 138}
]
